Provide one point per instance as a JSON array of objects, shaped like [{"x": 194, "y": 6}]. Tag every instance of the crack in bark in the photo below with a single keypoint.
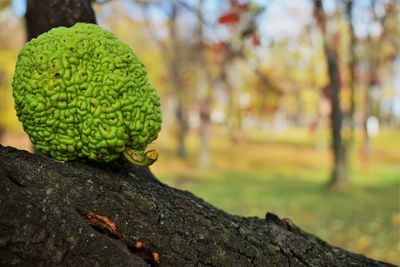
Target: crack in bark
[
  {"x": 144, "y": 251},
  {"x": 14, "y": 180},
  {"x": 105, "y": 226}
]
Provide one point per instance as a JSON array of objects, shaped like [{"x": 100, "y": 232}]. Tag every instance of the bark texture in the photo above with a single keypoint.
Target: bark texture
[
  {"x": 42, "y": 15},
  {"x": 73, "y": 214}
]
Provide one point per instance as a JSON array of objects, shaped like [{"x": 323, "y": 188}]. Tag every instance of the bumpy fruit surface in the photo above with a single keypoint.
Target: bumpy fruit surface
[{"x": 81, "y": 93}]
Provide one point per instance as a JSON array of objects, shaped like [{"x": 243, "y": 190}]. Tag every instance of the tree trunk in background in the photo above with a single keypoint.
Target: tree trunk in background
[
  {"x": 175, "y": 66},
  {"x": 42, "y": 15},
  {"x": 171, "y": 51},
  {"x": 339, "y": 176},
  {"x": 298, "y": 116},
  {"x": 375, "y": 62},
  {"x": 73, "y": 214},
  {"x": 340, "y": 168},
  {"x": 233, "y": 114},
  {"x": 204, "y": 93},
  {"x": 204, "y": 156},
  {"x": 349, "y": 114},
  {"x": 366, "y": 146},
  {"x": 373, "y": 66},
  {"x": 233, "y": 111}
]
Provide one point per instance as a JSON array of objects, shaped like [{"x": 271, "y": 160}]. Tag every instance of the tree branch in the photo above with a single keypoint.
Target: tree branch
[
  {"x": 42, "y": 15},
  {"x": 70, "y": 214}
]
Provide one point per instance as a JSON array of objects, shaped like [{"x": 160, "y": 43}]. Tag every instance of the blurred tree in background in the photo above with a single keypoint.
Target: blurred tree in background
[
  {"x": 222, "y": 67},
  {"x": 256, "y": 85},
  {"x": 332, "y": 91}
]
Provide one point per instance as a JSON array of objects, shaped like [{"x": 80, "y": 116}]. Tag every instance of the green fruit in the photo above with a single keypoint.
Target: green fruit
[{"x": 81, "y": 93}]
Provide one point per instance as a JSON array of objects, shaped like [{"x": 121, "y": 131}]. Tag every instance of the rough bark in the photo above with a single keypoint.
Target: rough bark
[
  {"x": 42, "y": 15},
  {"x": 73, "y": 214}
]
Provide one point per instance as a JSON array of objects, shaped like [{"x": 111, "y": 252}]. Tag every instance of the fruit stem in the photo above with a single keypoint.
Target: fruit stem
[{"x": 139, "y": 159}]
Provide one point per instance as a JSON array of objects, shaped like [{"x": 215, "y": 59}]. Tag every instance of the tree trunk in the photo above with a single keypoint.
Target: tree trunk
[
  {"x": 366, "y": 140},
  {"x": 349, "y": 116},
  {"x": 340, "y": 167},
  {"x": 233, "y": 114},
  {"x": 339, "y": 176},
  {"x": 42, "y": 15},
  {"x": 204, "y": 159},
  {"x": 172, "y": 54},
  {"x": 373, "y": 67},
  {"x": 176, "y": 75},
  {"x": 73, "y": 214},
  {"x": 203, "y": 91}
]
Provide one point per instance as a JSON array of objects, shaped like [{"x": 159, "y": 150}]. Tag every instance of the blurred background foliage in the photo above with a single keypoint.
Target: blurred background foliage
[{"x": 248, "y": 91}]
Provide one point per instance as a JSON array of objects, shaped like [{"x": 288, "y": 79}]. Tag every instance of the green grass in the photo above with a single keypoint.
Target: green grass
[{"x": 288, "y": 177}]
